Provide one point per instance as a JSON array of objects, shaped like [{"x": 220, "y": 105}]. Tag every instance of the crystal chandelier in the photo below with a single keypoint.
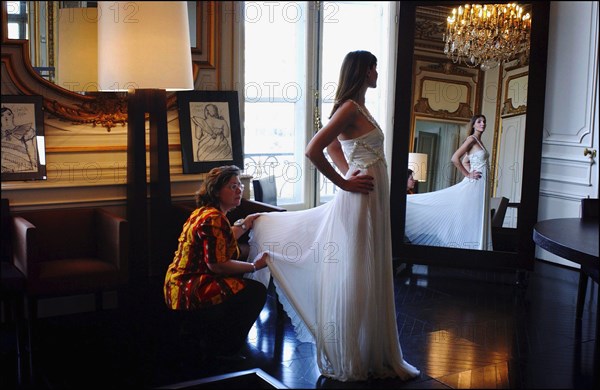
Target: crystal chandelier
[{"x": 486, "y": 35}]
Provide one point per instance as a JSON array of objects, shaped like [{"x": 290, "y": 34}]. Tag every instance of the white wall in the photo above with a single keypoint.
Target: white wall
[{"x": 571, "y": 113}]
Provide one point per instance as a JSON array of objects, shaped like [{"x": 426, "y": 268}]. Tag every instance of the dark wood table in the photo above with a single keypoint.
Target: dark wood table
[{"x": 575, "y": 239}]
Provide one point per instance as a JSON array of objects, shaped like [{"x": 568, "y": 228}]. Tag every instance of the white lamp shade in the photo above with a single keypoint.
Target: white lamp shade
[
  {"x": 144, "y": 45},
  {"x": 418, "y": 163},
  {"x": 77, "y": 65}
]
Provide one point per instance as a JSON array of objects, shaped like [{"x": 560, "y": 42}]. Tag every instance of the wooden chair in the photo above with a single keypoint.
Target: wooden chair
[
  {"x": 589, "y": 208},
  {"x": 503, "y": 238},
  {"x": 265, "y": 190},
  {"x": 498, "y": 207}
]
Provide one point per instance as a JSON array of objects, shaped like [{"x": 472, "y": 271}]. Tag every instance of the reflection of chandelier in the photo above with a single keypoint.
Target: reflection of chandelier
[{"x": 487, "y": 35}]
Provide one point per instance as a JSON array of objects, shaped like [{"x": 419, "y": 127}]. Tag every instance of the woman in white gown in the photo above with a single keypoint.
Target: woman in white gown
[
  {"x": 457, "y": 216},
  {"x": 332, "y": 264}
]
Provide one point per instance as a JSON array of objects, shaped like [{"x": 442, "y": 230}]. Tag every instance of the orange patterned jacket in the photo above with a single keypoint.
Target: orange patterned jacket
[{"x": 206, "y": 238}]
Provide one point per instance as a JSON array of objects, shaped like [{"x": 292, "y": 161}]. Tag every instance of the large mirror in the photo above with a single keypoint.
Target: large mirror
[
  {"x": 447, "y": 92},
  {"x": 434, "y": 102},
  {"x": 56, "y": 42}
]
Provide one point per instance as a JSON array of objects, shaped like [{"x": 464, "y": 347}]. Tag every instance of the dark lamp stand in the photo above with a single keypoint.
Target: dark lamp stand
[{"x": 147, "y": 245}]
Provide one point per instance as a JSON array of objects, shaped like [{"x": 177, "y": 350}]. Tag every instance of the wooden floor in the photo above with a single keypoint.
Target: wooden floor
[{"x": 462, "y": 329}]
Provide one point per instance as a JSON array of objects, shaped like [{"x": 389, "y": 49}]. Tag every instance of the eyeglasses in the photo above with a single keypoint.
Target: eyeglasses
[{"x": 234, "y": 187}]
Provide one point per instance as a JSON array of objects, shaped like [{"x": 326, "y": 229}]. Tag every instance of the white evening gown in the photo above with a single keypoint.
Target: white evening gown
[
  {"x": 332, "y": 269},
  {"x": 456, "y": 216}
]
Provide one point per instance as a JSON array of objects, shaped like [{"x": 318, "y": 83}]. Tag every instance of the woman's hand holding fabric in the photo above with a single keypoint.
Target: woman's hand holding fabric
[{"x": 260, "y": 261}]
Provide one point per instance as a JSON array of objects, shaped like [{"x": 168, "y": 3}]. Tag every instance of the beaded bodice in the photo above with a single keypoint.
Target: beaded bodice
[
  {"x": 479, "y": 159},
  {"x": 367, "y": 149}
]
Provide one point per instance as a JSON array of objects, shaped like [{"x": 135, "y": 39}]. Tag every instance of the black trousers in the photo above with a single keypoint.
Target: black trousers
[{"x": 223, "y": 328}]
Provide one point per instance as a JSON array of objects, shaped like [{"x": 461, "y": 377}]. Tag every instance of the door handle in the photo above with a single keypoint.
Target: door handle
[{"x": 589, "y": 152}]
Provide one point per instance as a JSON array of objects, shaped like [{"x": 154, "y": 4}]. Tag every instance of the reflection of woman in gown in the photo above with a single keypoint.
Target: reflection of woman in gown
[
  {"x": 213, "y": 135},
  {"x": 457, "y": 216},
  {"x": 332, "y": 264}
]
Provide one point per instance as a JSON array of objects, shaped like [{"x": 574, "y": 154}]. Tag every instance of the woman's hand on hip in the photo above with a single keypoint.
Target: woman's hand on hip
[{"x": 359, "y": 183}]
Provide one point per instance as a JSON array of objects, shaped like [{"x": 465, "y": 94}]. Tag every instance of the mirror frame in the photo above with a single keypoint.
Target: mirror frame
[
  {"x": 106, "y": 109},
  {"x": 523, "y": 258}
]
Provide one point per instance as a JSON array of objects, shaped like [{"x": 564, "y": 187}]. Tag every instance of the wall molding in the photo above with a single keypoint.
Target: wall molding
[
  {"x": 574, "y": 93},
  {"x": 566, "y": 170}
]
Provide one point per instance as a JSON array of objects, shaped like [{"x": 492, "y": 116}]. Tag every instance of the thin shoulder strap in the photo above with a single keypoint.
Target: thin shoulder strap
[
  {"x": 480, "y": 144},
  {"x": 357, "y": 105},
  {"x": 366, "y": 114}
]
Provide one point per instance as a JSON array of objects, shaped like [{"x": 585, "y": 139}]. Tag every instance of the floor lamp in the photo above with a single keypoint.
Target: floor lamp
[
  {"x": 77, "y": 68},
  {"x": 144, "y": 48}
]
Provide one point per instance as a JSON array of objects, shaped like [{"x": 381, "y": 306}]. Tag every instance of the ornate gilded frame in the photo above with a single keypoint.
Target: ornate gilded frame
[
  {"x": 439, "y": 71},
  {"x": 98, "y": 109},
  {"x": 514, "y": 83}
]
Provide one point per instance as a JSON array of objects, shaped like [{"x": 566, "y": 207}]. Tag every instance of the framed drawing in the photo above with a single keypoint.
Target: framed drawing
[
  {"x": 23, "y": 151},
  {"x": 209, "y": 122}
]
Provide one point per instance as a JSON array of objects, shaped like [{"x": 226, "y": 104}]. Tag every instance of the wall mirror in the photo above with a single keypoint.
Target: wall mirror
[
  {"x": 34, "y": 54},
  {"x": 435, "y": 99},
  {"x": 445, "y": 95}
]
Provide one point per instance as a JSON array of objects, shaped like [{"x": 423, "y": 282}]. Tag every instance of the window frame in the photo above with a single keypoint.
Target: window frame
[{"x": 313, "y": 115}]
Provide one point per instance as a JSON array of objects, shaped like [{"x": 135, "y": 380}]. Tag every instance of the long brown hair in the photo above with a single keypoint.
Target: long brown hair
[
  {"x": 352, "y": 76},
  {"x": 472, "y": 123},
  {"x": 216, "y": 179}
]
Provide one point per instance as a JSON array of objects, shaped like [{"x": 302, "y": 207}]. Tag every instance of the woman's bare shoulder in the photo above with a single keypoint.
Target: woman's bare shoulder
[
  {"x": 470, "y": 140},
  {"x": 348, "y": 108}
]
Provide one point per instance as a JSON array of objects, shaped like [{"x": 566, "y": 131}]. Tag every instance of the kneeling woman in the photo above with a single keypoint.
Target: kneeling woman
[{"x": 205, "y": 275}]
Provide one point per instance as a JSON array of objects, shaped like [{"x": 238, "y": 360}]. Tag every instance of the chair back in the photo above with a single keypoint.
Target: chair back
[
  {"x": 64, "y": 233},
  {"x": 6, "y": 242},
  {"x": 498, "y": 206},
  {"x": 589, "y": 208},
  {"x": 265, "y": 190}
]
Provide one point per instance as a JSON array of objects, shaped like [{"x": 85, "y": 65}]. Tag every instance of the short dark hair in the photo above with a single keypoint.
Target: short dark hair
[{"x": 216, "y": 179}]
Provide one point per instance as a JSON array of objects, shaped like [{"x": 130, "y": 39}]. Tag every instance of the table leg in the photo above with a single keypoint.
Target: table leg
[{"x": 581, "y": 291}]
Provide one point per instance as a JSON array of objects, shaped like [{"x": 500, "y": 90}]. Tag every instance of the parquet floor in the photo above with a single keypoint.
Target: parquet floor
[{"x": 463, "y": 329}]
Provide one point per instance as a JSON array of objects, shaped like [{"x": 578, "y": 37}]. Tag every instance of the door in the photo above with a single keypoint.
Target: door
[
  {"x": 568, "y": 174},
  {"x": 510, "y": 165}
]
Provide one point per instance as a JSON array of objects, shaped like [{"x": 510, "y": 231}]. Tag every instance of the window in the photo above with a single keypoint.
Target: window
[
  {"x": 16, "y": 12},
  {"x": 292, "y": 53},
  {"x": 275, "y": 95}
]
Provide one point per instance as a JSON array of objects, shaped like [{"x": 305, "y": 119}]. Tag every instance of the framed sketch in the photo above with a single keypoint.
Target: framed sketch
[
  {"x": 209, "y": 122},
  {"x": 23, "y": 151}
]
